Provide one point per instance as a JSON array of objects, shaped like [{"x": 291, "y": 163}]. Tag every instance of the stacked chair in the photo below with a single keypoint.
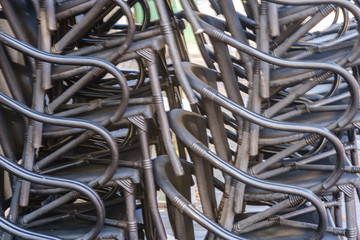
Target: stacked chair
[{"x": 101, "y": 115}]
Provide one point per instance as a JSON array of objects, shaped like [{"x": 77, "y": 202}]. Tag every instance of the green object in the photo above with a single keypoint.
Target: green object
[
  {"x": 153, "y": 11},
  {"x": 188, "y": 31},
  {"x": 176, "y": 6},
  {"x": 189, "y": 34},
  {"x": 139, "y": 13}
]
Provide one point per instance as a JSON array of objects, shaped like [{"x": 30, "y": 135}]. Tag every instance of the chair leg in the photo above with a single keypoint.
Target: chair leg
[
  {"x": 150, "y": 189},
  {"x": 338, "y": 211},
  {"x": 350, "y": 208},
  {"x": 129, "y": 194}
]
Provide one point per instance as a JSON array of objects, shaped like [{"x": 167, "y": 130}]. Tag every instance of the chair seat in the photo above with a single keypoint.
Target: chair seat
[
  {"x": 315, "y": 119},
  {"x": 283, "y": 232},
  {"x": 88, "y": 172},
  {"x": 75, "y": 228},
  {"x": 310, "y": 178}
]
